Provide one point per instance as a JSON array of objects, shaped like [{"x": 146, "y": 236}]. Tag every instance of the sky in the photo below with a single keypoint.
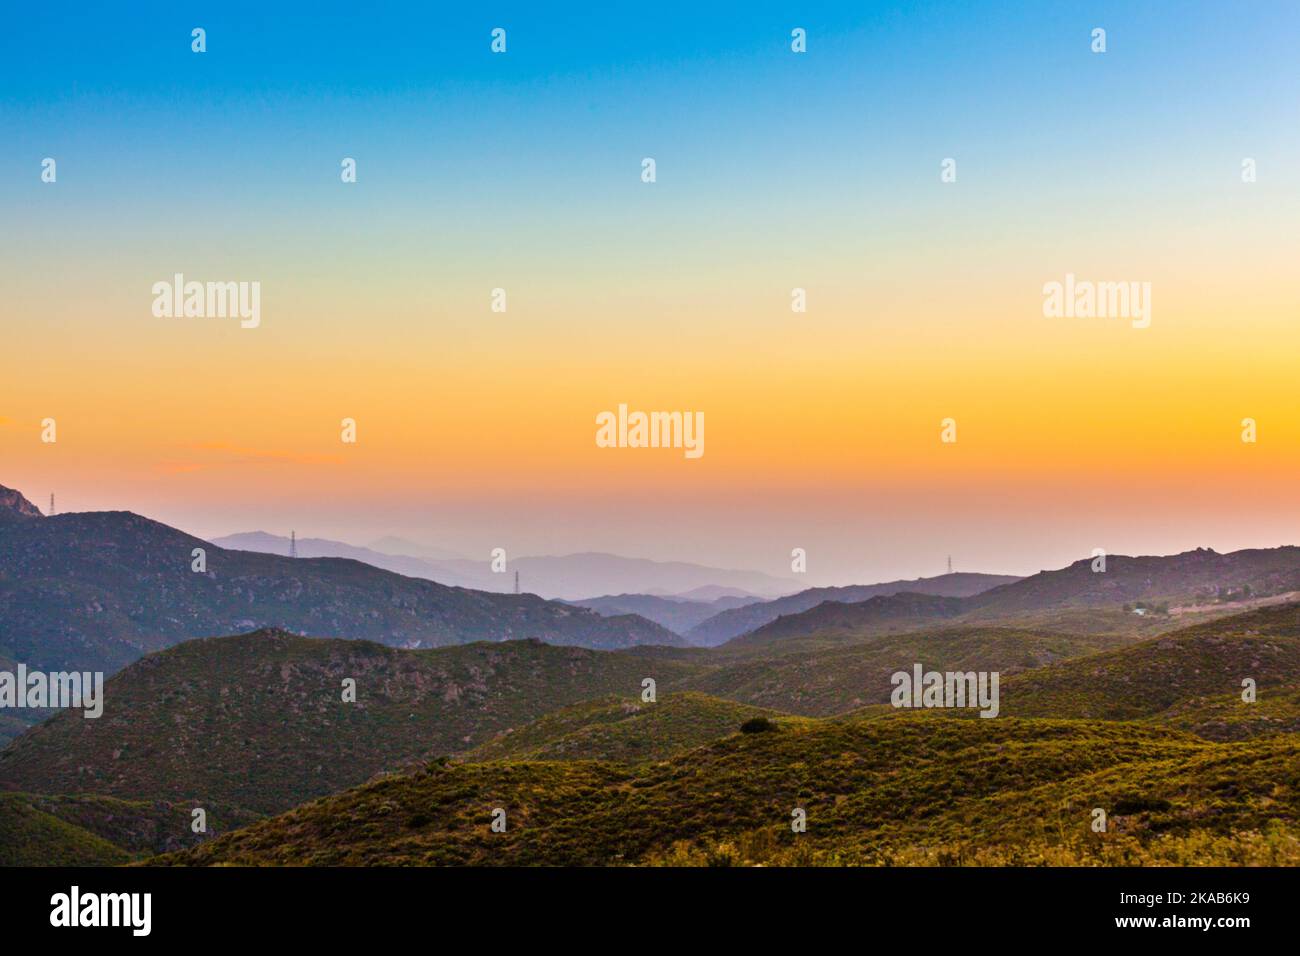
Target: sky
[{"x": 775, "y": 170}]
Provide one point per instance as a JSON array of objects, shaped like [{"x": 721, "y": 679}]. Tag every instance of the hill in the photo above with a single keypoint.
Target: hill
[
  {"x": 621, "y": 729},
  {"x": 832, "y": 680},
  {"x": 904, "y": 610},
  {"x": 257, "y": 722},
  {"x": 1191, "y": 578},
  {"x": 98, "y": 590},
  {"x": 1153, "y": 676},
  {"x": 37, "y": 830},
  {"x": 1203, "y": 582},
  {"x": 1227, "y": 717},
  {"x": 726, "y": 625},
  {"x": 900, "y": 789}
]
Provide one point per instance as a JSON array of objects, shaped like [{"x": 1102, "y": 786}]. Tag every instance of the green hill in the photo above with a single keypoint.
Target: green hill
[
  {"x": 1147, "y": 678},
  {"x": 900, "y": 789},
  {"x": 621, "y": 730},
  {"x": 86, "y": 830},
  {"x": 257, "y": 722},
  {"x": 850, "y": 675},
  {"x": 1276, "y": 710}
]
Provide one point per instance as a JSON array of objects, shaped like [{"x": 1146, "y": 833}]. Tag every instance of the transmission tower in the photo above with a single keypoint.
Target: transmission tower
[
  {"x": 51, "y": 504},
  {"x": 516, "y": 582},
  {"x": 293, "y": 544},
  {"x": 950, "y": 564}
]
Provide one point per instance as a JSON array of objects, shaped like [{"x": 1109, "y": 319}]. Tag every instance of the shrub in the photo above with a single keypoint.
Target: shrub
[{"x": 757, "y": 725}]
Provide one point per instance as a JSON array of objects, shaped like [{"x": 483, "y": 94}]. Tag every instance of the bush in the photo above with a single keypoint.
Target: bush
[{"x": 757, "y": 725}]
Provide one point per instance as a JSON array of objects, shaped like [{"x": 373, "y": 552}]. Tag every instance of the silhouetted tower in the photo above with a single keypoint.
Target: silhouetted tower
[
  {"x": 51, "y": 504},
  {"x": 950, "y": 564},
  {"x": 293, "y": 544},
  {"x": 516, "y": 582}
]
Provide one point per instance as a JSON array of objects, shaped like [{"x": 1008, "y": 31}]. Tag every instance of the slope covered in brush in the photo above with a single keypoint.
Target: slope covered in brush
[
  {"x": 258, "y": 722},
  {"x": 856, "y": 674},
  {"x": 622, "y": 729},
  {"x": 1142, "y": 680},
  {"x": 901, "y": 787}
]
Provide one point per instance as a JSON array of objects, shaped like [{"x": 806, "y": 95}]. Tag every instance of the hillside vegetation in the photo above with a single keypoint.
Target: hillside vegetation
[
  {"x": 257, "y": 722},
  {"x": 622, "y": 730},
  {"x": 854, "y": 674},
  {"x": 39, "y": 830},
  {"x": 901, "y": 788},
  {"x": 1152, "y": 676}
]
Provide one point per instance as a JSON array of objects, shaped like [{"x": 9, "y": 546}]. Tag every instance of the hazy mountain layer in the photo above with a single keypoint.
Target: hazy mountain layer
[{"x": 725, "y": 625}]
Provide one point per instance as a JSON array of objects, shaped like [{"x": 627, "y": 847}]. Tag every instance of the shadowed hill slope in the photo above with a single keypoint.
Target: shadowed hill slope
[{"x": 257, "y": 722}]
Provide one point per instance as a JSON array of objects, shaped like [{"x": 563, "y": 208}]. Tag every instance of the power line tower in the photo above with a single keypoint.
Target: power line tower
[
  {"x": 293, "y": 544},
  {"x": 950, "y": 564},
  {"x": 516, "y": 582},
  {"x": 51, "y": 504}
]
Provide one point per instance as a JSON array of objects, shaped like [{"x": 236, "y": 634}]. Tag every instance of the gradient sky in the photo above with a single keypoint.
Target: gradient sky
[{"x": 775, "y": 170}]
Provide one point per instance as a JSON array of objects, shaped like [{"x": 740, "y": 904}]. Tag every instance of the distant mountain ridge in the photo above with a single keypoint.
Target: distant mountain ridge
[
  {"x": 677, "y": 614},
  {"x": 1199, "y": 575},
  {"x": 570, "y": 577},
  {"x": 728, "y": 624},
  {"x": 410, "y": 565},
  {"x": 97, "y": 590}
]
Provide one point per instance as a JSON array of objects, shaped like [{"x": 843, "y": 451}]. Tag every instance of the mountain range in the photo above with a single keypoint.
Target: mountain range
[
  {"x": 724, "y": 626},
  {"x": 97, "y": 590},
  {"x": 678, "y": 614},
  {"x": 323, "y": 710},
  {"x": 570, "y": 577}
]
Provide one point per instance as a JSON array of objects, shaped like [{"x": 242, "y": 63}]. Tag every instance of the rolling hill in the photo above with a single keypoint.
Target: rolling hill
[
  {"x": 37, "y": 830},
  {"x": 257, "y": 722},
  {"x": 899, "y": 789},
  {"x": 832, "y": 680},
  {"x": 621, "y": 729},
  {"x": 1153, "y": 676}
]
